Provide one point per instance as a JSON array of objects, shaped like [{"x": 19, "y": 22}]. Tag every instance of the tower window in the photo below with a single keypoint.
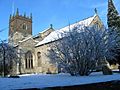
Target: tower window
[
  {"x": 24, "y": 26},
  {"x": 28, "y": 60}
]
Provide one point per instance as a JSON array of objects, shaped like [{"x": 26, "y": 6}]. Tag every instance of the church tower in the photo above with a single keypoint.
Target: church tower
[{"x": 20, "y": 23}]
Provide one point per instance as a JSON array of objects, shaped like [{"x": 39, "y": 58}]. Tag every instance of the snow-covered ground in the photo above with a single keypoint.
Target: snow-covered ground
[{"x": 46, "y": 80}]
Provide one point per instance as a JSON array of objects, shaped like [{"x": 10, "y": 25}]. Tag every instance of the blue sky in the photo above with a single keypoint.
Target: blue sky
[{"x": 57, "y": 12}]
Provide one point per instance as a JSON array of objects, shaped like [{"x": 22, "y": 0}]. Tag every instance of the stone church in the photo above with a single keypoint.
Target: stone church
[{"x": 31, "y": 49}]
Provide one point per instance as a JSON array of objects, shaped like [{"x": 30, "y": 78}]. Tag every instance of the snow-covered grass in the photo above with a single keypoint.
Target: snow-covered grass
[{"x": 47, "y": 80}]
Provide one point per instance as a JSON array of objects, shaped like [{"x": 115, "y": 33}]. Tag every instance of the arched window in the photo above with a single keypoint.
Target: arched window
[
  {"x": 24, "y": 26},
  {"x": 39, "y": 58},
  {"x": 28, "y": 60}
]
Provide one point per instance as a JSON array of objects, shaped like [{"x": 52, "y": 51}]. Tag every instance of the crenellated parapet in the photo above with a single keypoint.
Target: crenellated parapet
[
  {"x": 20, "y": 23},
  {"x": 20, "y": 16}
]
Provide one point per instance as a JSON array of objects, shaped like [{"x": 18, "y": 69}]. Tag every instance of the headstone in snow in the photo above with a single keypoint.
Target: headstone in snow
[
  {"x": 13, "y": 77},
  {"x": 119, "y": 68},
  {"x": 106, "y": 70}
]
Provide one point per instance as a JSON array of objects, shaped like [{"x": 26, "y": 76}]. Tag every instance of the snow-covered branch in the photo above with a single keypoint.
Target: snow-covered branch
[{"x": 82, "y": 49}]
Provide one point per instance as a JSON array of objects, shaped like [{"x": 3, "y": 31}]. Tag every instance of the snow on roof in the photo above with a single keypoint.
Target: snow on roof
[
  {"x": 55, "y": 35},
  {"x": 27, "y": 38},
  {"x": 45, "y": 30},
  {"x": 41, "y": 33}
]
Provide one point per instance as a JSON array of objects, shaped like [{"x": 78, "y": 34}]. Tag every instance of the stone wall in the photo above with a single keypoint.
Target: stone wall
[{"x": 46, "y": 64}]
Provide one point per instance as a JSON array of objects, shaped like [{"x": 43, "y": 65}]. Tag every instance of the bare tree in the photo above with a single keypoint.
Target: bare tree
[
  {"x": 82, "y": 49},
  {"x": 8, "y": 58}
]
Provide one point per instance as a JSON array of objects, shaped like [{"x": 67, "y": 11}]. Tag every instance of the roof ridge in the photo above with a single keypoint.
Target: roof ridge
[
  {"x": 52, "y": 36},
  {"x": 78, "y": 21},
  {"x": 27, "y": 38},
  {"x": 41, "y": 32}
]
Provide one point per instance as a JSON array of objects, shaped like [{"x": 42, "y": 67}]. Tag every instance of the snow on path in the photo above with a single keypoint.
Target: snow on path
[{"x": 42, "y": 80}]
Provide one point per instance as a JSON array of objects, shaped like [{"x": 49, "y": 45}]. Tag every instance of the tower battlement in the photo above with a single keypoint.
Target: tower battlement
[
  {"x": 21, "y": 24},
  {"x": 19, "y": 16}
]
